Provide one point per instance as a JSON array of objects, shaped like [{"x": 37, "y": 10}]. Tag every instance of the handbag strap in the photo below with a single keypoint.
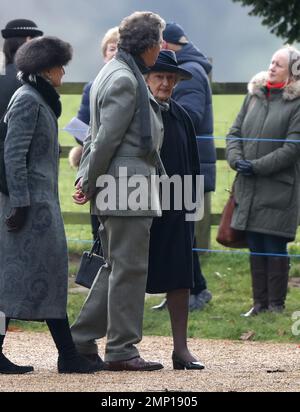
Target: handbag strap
[{"x": 96, "y": 246}]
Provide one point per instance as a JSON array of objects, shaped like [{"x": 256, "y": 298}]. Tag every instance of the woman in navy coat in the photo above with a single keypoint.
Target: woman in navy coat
[{"x": 172, "y": 236}]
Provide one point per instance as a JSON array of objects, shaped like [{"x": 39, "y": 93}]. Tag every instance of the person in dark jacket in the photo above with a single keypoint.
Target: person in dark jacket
[
  {"x": 266, "y": 188},
  {"x": 172, "y": 236},
  {"x": 33, "y": 248},
  {"x": 15, "y": 33},
  {"x": 109, "y": 49},
  {"x": 194, "y": 95}
]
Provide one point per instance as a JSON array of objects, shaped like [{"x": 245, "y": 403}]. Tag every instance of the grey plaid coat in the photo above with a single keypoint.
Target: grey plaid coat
[{"x": 33, "y": 262}]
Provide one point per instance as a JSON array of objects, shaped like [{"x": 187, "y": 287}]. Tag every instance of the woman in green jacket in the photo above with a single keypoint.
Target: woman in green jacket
[{"x": 267, "y": 185}]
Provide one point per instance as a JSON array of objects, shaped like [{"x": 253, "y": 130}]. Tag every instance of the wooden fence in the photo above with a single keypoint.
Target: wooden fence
[{"x": 79, "y": 218}]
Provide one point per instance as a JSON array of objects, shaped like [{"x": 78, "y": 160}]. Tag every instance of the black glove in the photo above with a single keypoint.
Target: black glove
[
  {"x": 17, "y": 218},
  {"x": 244, "y": 167}
]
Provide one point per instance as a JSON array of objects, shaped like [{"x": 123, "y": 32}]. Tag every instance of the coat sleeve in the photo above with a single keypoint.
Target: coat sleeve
[
  {"x": 84, "y": 109},
  {"x": 284, "y": 156},
  {"x": 21, "y": 123},
  {"x": 84, "y": 161},
  {"x": 116, "y": 113},
  {"x": 234, "y": 147}
]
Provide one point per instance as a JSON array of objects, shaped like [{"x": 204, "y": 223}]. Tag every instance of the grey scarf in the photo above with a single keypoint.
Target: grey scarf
[{"x": 145, "y": 124}]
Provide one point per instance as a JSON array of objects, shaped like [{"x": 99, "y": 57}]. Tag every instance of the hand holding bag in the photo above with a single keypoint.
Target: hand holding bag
[
  {"x": 227, "y": 236},
  {"x": 90, "y": 264}
]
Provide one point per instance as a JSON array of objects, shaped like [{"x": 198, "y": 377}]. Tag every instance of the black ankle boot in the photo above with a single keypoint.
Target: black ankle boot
[
  {"x": 9, "y": 368},
  {"x": 77, "y": 364}
]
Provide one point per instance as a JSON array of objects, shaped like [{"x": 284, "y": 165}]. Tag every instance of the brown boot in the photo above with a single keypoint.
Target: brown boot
[
  {"x": 259, "y": 276},
  {"x": 278, "y": 276}
]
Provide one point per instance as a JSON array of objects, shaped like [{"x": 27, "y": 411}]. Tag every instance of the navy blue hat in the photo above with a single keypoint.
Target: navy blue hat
[
  {"x": 167, "y": 62},
  {"x": 174, "y": 33},
  {"x": 21, "y": 28}
]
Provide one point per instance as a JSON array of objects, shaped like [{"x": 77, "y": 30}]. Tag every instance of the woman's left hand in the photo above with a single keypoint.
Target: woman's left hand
[
  {"x": 17, "y": 219},
  {"x": 244, "y": 167}
]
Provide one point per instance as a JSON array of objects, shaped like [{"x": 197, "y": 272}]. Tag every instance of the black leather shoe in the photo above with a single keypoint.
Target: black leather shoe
[
  {"x": 94, "y": 358},
  {"x": 76, "y": 364},
  {"x": 9, "y": 368},
  {"x": 162, "y": 305},
  {"x": 134, "y": 364},
  {"x": 180, "y": 364}
]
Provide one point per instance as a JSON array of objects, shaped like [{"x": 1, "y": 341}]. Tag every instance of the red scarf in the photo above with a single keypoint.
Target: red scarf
[{"x": 271, "y": 86}]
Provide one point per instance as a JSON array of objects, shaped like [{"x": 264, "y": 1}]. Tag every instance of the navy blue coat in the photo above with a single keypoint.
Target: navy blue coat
[
  {"x": 172, "y": 237},
  {"x": 84, "y": 109},
  {"x": 195, "y": 96}
]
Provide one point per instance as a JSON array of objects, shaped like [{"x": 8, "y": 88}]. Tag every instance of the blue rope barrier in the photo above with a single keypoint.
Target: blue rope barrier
[
  {"x": 248, "y": 139},
  {"x": 239, "y": 252},
  {"x": 238, "y": 138}
]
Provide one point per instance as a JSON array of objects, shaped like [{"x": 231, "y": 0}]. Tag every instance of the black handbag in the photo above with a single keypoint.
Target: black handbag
[{"x": 90, "y": 264}]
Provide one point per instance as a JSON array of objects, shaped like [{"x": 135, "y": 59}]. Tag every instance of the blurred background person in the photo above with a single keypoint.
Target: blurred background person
[
  {"x": 171, "y": 240},
  {"x": 15, "y": 33},
  {"x": 266, "y": 189}
]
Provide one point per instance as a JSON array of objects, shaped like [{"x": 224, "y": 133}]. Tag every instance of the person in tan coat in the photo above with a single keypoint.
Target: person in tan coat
[{"x": 126, "y": 133}]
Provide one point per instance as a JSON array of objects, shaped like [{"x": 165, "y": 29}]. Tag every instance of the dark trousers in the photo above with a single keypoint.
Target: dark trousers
[
  {"x": 262, "y": 243},
  {"x": 61, "y": 334}
]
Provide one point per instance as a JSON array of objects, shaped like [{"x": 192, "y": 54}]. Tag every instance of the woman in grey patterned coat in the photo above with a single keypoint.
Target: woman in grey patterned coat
[{"x": 33, "y": 250}]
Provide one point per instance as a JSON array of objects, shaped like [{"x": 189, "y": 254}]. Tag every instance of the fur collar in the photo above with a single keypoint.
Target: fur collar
[
  {"x": 259, "y": 81},
  {"x": 46, "y": 90}
]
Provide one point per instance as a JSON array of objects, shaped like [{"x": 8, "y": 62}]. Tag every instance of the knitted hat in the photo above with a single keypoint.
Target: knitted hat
[{"x": 175, "y": 34}]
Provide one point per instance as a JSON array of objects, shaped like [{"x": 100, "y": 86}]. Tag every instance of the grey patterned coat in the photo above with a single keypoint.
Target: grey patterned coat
[{"x": 33, "y": 262}]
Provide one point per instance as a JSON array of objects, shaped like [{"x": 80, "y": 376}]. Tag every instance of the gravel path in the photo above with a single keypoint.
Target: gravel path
[{"x": 230, "y": 366}]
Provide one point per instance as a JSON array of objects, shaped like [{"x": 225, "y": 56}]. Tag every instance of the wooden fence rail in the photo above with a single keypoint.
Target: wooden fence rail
[{"x": 79, "y": 218}]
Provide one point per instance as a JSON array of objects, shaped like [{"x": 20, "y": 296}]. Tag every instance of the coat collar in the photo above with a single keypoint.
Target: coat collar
[{"x": 256, "y": 87}]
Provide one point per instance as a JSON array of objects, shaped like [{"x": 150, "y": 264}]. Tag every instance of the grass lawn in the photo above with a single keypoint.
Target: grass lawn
[{"x": 227, "y": 275}]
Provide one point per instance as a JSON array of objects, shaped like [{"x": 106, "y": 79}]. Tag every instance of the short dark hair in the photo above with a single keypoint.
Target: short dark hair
[
  {"x": 140, "y": 31},
  {"x": 10, "y": 48}
]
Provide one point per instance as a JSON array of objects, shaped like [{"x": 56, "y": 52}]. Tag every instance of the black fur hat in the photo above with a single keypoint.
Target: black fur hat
[{"x": 42, "y": 53}]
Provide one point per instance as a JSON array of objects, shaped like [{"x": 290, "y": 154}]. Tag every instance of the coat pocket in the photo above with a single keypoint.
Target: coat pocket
[{"x": 276, "y": 192}]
